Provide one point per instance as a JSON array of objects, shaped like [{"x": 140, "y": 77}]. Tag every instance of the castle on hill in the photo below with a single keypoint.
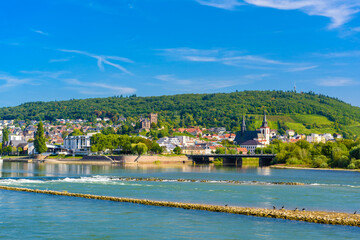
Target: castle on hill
[
  {"x": 254, "y": 139},
  {"x": 146, "y": 122}
]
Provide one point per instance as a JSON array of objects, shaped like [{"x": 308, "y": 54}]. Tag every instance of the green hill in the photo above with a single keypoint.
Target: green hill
[{"x": 303, "y": 112}]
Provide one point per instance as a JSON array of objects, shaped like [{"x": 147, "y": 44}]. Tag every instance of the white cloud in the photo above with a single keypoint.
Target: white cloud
[
  {"x": 337, "y": 82},
  {"x": 59, "y": 60},
  {"x": 354, "y": 53},
  {"x": 40, "y": 32},
  {"x": 11, "y": 81},
  {"x": 218, "y": 55},
  {"x": 46, "y": 74},
  {"x": 256, "y": 76},
  {"x": 339, "y": 11},
  {"x": 224, "y": 4},
  {"x": 300, "y": 69},
  {"x": 171, "y": 78},
  {"x": 101, "y": 59},
  {"x": 93, "y": 87},
  {"x": 190, "y": 85}
]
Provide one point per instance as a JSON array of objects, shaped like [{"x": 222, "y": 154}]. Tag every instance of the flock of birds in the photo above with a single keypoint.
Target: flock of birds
[{"x": 283, "y": 207}]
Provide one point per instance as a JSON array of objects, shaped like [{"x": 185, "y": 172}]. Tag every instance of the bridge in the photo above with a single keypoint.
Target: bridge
[{"x": 232, "y": 159}]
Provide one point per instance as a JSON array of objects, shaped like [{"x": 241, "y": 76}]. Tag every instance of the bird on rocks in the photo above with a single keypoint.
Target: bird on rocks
[
  {"x": 355, "y": 212},
  {"x": 282, "y": 207},
  {"x": 295, "y": 209},
  {"x": 303, "y": 209},
  {"x": 274, "y": 207},
  {"x": 226, "y": 205}
]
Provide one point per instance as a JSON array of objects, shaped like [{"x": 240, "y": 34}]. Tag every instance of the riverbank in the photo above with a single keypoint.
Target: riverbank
[
  {"x": 281, "y": 166},
  {"x": 126, "y": 160}
]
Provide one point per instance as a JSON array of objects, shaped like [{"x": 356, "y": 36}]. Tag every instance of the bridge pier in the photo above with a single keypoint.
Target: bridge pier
[
  {"x": 264, "y": 161},
  {"x": 232, "y": 161}
]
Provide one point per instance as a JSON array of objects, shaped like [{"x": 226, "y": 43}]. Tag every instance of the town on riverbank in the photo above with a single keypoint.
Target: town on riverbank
[{"x": 148, "y": 140}]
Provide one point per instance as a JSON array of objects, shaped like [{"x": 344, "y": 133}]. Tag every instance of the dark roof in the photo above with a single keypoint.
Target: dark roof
[
  {"x": 251, "y": 142},
  {"x": 246, "y": 136},
  {"x": 22, "y": 145}
]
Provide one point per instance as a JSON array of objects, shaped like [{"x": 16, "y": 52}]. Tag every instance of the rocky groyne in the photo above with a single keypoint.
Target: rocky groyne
[
  {"x": 151, "y": 179},
  {"x": 334, "y": 218}
]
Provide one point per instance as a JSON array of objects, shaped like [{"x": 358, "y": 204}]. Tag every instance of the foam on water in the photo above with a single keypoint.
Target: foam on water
[{"x": 114, "y": 180}]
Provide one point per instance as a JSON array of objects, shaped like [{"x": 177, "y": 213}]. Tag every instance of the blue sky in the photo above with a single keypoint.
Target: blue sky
[{"x": 63, "y": 49}]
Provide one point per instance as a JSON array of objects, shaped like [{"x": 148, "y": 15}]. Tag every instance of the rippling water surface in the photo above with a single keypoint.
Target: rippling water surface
[{"x": 30, "y": 216}]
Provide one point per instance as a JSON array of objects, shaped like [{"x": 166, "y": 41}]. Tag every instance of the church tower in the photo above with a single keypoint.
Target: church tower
[
  {"x": 265, "y": 130},
  {"x": 243, "y": 126}
]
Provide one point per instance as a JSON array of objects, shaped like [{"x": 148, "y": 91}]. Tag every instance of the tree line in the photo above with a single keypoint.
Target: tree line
[
  {"x": 183, "y": 110},
  {"x": 340, "y": 154}
]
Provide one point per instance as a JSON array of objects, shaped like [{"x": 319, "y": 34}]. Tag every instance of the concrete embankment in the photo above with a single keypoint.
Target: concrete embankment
[{"x": 307, "y": 216}]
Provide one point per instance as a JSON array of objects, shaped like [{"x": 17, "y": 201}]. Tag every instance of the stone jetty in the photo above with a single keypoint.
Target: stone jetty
[
  {"x": 335, "y": 218},
  {"x": 151, "y": 179}
]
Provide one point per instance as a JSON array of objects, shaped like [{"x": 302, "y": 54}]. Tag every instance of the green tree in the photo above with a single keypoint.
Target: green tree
[
  {"x": 5, "y": 133},
  {"x": 40, "y": 141},
  {"x": 76, "y": 132},
  {"x": 64, "y": 134},
  {"x": 355, "y": 152},
  {"x": 156, "y": 148},
  {"x": 177, "y": 150},
  {"x": 139, "y": 148}
]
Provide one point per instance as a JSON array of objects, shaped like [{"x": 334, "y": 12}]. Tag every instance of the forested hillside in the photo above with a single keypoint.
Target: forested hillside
[{"x": 286, "y": 110}]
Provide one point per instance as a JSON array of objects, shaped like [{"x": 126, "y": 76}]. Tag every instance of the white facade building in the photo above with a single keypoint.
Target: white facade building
[
  {"x": 78, "y": 144},
  {"x": 169, "y": 143}
]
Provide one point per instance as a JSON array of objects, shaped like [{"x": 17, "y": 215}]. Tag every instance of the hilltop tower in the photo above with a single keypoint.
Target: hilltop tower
[
  {"x": 153, "y": 118},
  {"x": 265, "y": 130}
]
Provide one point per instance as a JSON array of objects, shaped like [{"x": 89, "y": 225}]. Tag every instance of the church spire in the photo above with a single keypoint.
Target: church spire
[
  {"x": 264, "y": 123},
  {"x": 243, "y": 126}
]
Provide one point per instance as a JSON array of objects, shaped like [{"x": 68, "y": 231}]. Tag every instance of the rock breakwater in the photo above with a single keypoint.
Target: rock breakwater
[
  {"x": 204, "y": 181},
  {"x": 335, "y": 218}
]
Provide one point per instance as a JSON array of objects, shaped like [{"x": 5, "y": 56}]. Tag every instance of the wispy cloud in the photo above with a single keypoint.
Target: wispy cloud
[
  {"x": 339, "y": 11},
  {"x": 337, "y": 82},
  {"x": 226, "y": 57},
  {"x": 40, "y": 32},
  {"x": 94, "y": 87},
  {"x": 46, "y": 74},
  {"x": 256, "y": 76},
  {"x": 11, "y": 81},
  {"x": 354, "y": 53},
  {"x": 204, "y": 84},
  {"x": 224, "y": 4},
  {"x": 59, "y": 60},
  {"x": 300, "y": 69},
  {"x": 101, "y": 59},
  {"x": 171, "y": 78}
]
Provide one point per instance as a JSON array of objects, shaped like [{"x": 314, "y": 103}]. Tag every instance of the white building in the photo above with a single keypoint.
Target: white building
[
  {"x": 315, "y": 138},
  {"x": 183, "y": 140},
  {"x": 290, "y": 132},
  {"x": 251, "y": 145},
  {"x": 169, "y": 143},
  {"x": 79, "y": 145}
]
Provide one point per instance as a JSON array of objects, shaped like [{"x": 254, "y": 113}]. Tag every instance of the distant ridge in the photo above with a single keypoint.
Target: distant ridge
[{"x": 209, "y": 110}]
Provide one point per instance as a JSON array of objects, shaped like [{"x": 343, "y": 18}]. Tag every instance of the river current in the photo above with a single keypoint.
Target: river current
[{"x": 36, "y": 216}]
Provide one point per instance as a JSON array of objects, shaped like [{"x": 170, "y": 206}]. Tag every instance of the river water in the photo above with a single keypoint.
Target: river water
[{"x": 36, "y": 216}]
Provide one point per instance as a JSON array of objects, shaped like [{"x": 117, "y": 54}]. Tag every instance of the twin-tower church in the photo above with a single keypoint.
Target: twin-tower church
[{"x": 253, "y": 139}]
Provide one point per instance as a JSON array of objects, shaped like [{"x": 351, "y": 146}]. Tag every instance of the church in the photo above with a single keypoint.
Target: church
[{"x": 253, "y": 139}]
